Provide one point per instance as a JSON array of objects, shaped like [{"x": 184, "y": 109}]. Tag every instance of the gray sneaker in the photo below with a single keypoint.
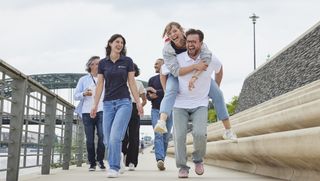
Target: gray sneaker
[
  {"x": 160, "y": 165},
  {"x": 230, "y": 135}
]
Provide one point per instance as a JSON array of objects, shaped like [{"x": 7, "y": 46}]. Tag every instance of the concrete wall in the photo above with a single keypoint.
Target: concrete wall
[{"x": 293, "y": 67}]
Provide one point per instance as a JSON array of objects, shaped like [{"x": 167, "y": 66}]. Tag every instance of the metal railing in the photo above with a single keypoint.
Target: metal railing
[{"x": 37, "y": 127}]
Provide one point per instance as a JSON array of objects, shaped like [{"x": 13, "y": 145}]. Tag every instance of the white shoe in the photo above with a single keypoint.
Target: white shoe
[
  {"x": 230, "y": 135},
  {"x": 122, "y": 166},
  {"x": 161, "y": 127},
  {"x": 131, "y": 167},
  {"x": 112, "y": 173}
]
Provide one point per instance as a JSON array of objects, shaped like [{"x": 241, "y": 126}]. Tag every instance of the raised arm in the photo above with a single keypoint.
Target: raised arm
[{"x": 170, "y": 59}]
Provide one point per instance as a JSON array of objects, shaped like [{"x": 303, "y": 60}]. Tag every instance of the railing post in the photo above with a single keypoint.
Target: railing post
[
  {"x": 19, "y": 88},
  {"x": 49, "y": 133},
  {"x": 67, "y": 139},
  {"x": 80, "y": 143}
]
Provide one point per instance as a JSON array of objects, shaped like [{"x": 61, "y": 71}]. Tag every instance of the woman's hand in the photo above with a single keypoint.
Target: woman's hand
[
  {"x": 93, "y": 112},
  {"x": 140, "y": 109}
]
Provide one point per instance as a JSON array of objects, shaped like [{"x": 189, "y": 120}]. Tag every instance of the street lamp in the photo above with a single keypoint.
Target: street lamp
[{"x": 254, "y": 19}]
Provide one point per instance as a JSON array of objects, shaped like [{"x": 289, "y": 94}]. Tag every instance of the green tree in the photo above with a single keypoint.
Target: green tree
[
  {"x": 231, "y": 107},
  {"x": 212, "y": 115}
]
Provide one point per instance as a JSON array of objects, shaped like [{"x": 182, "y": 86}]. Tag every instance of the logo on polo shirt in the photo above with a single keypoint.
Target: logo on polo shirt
[{"x": 122, "y": 67}]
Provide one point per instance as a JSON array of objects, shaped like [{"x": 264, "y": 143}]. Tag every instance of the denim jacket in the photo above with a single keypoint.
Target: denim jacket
[{"x": 170, "y": 57}]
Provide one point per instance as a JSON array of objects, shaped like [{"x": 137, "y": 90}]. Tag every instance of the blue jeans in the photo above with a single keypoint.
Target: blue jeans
[
  {"x": 215, "y": 94},
  {"x": 160, "y": 140},
  {"x": 116, "y": 116},
  {"x": 90, "y": 124}
]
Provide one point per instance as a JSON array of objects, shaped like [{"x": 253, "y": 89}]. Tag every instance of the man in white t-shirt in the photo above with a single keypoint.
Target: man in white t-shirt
[{"x": 192, "y": 104}]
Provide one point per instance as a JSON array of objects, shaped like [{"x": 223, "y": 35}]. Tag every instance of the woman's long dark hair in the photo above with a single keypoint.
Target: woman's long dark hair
[{"x": 112, "y": 38}]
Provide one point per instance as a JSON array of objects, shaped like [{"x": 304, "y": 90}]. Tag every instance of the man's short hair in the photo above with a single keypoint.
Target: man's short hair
[{"x": 197, "y": 32}]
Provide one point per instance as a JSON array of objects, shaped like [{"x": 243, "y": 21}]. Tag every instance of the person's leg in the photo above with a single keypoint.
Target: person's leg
[
  {"x": 167, "y": 135},
  {"x": 158, "y": 138},
  {"x": 158, "y": 141},
  {"x": 199, "y": 118},
  {"x": 89, "y": 131},
  {"x": 133, "y": 148},
  {"x": 118, "y": 128},
  {"x": 100, "y": 146},
  {"x": 167, "y": 103},
  {"x": 125, "y": 141},
  {"x": 180, "y": 124},
  {"x": 218, "y": 101},
  {"x": 220, "y": 106}
]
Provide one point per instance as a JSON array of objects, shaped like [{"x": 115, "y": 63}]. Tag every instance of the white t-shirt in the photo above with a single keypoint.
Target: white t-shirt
[
  {"x": 140, "y": 88},
  {"x": 198, "y": 96}
]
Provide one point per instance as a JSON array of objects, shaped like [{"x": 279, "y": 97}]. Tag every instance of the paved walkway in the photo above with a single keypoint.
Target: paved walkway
[{"x": 146, "y": 171}]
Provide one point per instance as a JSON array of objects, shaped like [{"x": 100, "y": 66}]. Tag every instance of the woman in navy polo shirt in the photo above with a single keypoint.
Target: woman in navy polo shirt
[{"x": 116, "y": 70}]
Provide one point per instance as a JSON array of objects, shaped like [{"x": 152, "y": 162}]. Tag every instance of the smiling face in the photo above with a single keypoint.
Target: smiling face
[
  {"x": 94, "y": 65},
  {"x": 193, "y": 45},
  {"x": 117, "y": 45},
  {"x": 157, "y": 65},
  {"x": 175, "y": 34}
]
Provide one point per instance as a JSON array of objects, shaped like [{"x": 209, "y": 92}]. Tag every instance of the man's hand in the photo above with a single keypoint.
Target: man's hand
[
  {"x": 152, "y": 95},
  {"x": 151, "y": 89}
]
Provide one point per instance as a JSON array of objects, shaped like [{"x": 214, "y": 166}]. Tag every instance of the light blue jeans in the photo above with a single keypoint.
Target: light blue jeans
[
  {"x": 198, "y": 116},
  {"x": 116, "y": 116},
  {"x": 215, "y": 94},
  {"x": 160, "y": 140}
]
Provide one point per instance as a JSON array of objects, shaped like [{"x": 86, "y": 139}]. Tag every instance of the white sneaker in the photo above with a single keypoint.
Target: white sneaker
[
  {"x": 122, "y": 166},
  {"x": 112, "y": 173},
  {"x": 161, "y": 127},
  {"x": 131, "y": 167},
  {"x": 230, "y": 135}
]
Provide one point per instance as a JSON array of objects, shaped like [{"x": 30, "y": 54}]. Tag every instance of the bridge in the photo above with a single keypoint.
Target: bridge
[{"x": 278, "y": 125}]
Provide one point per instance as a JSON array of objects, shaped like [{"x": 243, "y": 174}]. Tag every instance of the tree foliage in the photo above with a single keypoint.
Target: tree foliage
[{"x": 231, "y": 107}]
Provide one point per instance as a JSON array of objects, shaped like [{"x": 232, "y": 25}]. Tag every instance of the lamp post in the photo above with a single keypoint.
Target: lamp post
[{"x": 254, "y": 18}]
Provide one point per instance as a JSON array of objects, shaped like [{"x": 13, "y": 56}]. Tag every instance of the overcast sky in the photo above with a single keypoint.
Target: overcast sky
[{"x": 59, "y": 36}]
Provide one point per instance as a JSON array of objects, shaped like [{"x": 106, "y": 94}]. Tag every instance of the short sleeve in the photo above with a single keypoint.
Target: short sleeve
[
  {"x": 216, "y": 64},
  {"x": 130, "y": 65},
  {"x": 101, "y": 66}
]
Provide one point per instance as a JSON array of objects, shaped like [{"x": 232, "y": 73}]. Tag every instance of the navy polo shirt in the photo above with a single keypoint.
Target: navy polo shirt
[
  {"x": 116, "y": 77},
  {"x": 155, "y": 83}
]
